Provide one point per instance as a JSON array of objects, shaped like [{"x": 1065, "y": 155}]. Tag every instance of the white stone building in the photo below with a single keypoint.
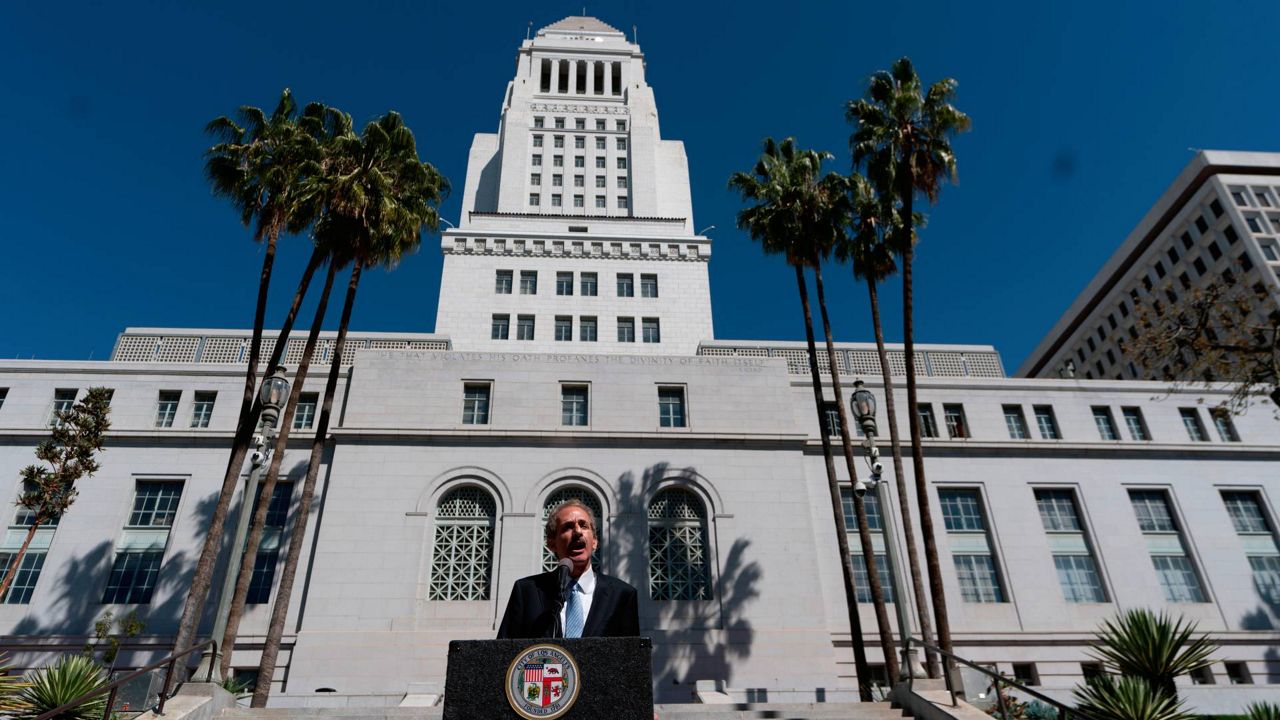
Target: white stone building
[
  {"x": 1058, "y": 502},
  {"x": 1220, "y": 219}
]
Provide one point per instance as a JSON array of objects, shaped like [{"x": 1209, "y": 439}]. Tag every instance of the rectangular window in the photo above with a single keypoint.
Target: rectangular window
[
  {"x": 870, "y": 505},
  {"x": 831, "y": 419},
  {"x": 539, "y": 122},
  {"x": 502, "y": 282},
  {"x": 1016, "y": 421},
  {"x": 304, "y": 416},
  {"x": 600, "y": 143},
  {"x": 622, "y": 182},
  {"x": 601, "y": 202},
  {"x": 622, "y": 163},
  {"x": 671, "y": 407},
  {"x": 622, "y": 143},
  {"x": 24, "y": 581},
  {"x": 1259, "y": 541},
  {"x": 535, "y": 179},
  {"x": 1106, "y": 423},
  {"x": 573, "y": 405},
  {"x": 587, "y": 328},
  {"x": 1238, "y": 673},
  {"x": 537, "y": 141},
  {"x": 564, "y": 328},
  {"x": 961, "y": 510},
  {"x": 559, "y": 141},
  {"x": 63, "y": 400},
  {"x": 501, "y": 327},
  {"x": 579, "y": 142},
  {"x": 560, "y": 120},
  {"x": 1046, "y": 423},
  {"x": 626, "y": 285},
  {"x": 4, "y": 393},
  {"x": 167, "y": 408},
  {"x": 600, "y": 121},
  {"x": 524, "y": 327},
  {"x": 1072, "y": 556},
  {"x": 619, "y": 125},
  {"x": 557, "y": 180},
  {"x": 580, "y": 123},
  {"x": 600, "y": 163},
  {"x": 651, "y": 332},
  {"x": 649, "y": 286},
  {"x": 537, "y": 161},
  {"x": 264, "y": 565},
  {"x": 954, "y": 416},
  {"x": 475, "y": 404},
  {"x": 1222, "y": 423},
  {"x": 600, "y": 182},
  {"x": 579, "y": 201},
  {"x": 928, "y": 424},
  {"x": 528, "y": 282},
  {"x": 588, "y": 284},
  {"x": 557, "y": 161},
  {"x": 564, "y": 283},
  {"x": 1173, "y": 567},
  {"x": 622, "y": 202},
  {"x": 1135, "y": 422},
  {"x": 202, "y": 408},
  {"x": 626, "y": 329},
  {"x": 141, "y": 549},
  {"x": 978, "y": 580},
  {"x": 1195, "y": 428},
  {"x": 579, "y": 161},
  {"x": 579, "y": 181},
  {"x": 535, "y": 199}
]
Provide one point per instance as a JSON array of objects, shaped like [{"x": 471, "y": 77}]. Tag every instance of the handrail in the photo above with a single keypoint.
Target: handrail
[
  {"x": 115, "y": 685},
  {"x": 1064, "y": 712}
]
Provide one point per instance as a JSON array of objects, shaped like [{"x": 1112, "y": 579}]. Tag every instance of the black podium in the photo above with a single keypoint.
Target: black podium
[{"x": 561, "y": 678}]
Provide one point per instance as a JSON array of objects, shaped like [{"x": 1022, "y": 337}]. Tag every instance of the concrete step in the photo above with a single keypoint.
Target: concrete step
[{"x": 686, "y": 711}]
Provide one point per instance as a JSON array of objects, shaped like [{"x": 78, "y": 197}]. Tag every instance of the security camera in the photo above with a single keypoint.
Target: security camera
[
  {"x": 877, "y": 467},
  {"x": 860, "y": 488},
  {"x": 258, "y": 457}
]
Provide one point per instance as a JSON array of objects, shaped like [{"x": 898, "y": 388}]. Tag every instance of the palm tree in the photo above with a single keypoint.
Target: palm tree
[
  {"x": 867, "y": 250},
  {"x": 377, "y": 195},
  {"x": 902, "y": 137},
  {"x": 257, "y": 165},
  {"x": 794, "y": 208}
]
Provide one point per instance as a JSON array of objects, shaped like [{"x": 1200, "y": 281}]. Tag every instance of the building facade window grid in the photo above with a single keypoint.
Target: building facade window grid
[
  {"x": 861, "y": 583},
  {"x": 1073, "y": 559},
  {"x": 23, "y": 585},
  {"x": 953, "y": 415},
  {"x": 1016, "y": 422},
  {"x": 264, "y": 564},
  {"x": 1046, "y": 422},
  {"x": 972, "y": 555},
  {"x": 502, "y": 280},
  {"x": 1174, "y": 570},
  {"x": 1106, "y": 423},
  {"x": 304, "y": 415},
  {"x": 564, "y": 328},
  {"x": 1258, "y": 538},
  {"x": 589, "y": 284},
  {"x": 167, "y": 407},
  {"x": 202, "y": 409},
  {"x": 671, "y": 412},
  {"x": 678, "y": 552},
  {"x": 651, "y": 333},
  {"x": 475, "y": 404},
  {"x": 649, "y": 286},
  {"x": 524, "y": 327},
  {"x": 462, "y": 551},
  {"x": 564, "y": 283},
  {"x": 1223, "y": 424},
  {"x": 1136, "y": 424},
  {"x": 626, "y": 330},
  {"x": 63, "y": 400},
  {"x": 155, "y": 504},
  {"x": 574, "y": 406},
  {"x": 928, "y": 424},
  {"x": 1195, "y": 428},
  {"x": 501, "y": 327},
  {"x": 587, "y": 330},
  {"x": 626, "y": 285}
]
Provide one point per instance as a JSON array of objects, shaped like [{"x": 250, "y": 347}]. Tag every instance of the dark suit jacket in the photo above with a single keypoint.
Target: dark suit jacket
[{"x": 531, "y": 611}]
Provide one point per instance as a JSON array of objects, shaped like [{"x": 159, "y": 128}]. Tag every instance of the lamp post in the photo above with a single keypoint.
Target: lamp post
[
  {"x": 864, "y": 411},
  {"x": 273, "y": 394}
]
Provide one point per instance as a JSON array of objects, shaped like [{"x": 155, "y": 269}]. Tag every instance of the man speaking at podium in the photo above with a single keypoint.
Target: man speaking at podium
[{"x": 573, "y": 600}]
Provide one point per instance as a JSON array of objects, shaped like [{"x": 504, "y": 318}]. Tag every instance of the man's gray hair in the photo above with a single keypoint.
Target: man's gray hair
[{"x": 550, "y": 529}]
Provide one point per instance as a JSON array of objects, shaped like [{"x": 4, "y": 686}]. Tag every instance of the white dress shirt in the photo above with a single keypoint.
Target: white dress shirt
[{"x": 586, "y": 588}]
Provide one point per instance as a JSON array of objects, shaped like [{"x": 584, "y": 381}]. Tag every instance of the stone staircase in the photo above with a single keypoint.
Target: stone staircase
[{"x": 686, "y": 711}]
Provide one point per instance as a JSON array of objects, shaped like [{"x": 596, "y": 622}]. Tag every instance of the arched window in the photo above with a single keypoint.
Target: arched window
[
  {"x": 678, "y": 567},
  {"x": 588, "y": 498},
  {"x": 462, "y": 558}
]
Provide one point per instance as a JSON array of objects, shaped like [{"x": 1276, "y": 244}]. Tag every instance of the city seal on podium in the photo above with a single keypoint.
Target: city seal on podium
[{"x": 543, "y": 682}]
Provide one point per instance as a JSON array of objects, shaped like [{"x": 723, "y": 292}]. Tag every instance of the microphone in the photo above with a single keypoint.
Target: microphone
[{"x": 566, "y": 580}]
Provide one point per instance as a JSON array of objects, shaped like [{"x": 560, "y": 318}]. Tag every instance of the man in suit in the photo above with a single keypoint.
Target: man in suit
[{"x": 597, "y": 605}]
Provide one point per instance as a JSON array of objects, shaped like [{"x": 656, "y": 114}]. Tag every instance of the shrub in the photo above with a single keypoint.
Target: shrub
[{"x": 58, "y": 684}]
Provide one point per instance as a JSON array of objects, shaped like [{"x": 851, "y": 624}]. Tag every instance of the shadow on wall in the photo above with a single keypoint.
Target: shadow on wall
[
  {"x": 78, "y": 585},
  {"x": 696, "y": 639},
  {"x": 1264, "y": 618}
]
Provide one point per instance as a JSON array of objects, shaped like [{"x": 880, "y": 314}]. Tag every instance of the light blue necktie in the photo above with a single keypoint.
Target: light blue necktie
[{"x": 573, "y": 619}]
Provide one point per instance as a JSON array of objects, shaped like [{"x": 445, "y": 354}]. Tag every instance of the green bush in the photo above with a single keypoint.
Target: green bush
[
  {"x": 1128, "y": 698},
  {"x": 1156, "y": 648},
  {"x": 60, "y": 683}
]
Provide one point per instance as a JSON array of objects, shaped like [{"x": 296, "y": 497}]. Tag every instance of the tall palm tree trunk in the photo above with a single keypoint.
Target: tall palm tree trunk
[
  {"x": 17, "y": 559},
  {"x": 202, "y": 577},
  {"x": 917, "y": 453},
  {"x": 280, "y": 608},
  {"x": 266, "y": 492},
  {"x": 859, "y": 507},
  {"x": 904, "y": 501},
  {"x": 837, "y": 509}
]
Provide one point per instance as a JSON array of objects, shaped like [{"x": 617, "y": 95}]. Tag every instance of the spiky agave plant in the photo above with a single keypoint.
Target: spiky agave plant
[
  {"x": 1128, "y": 698},
  {"x": 1154, "y": 647},
  {"x": 10, "y": 687},
  {"x": 72, "y": 676},
  {"x": 1262, "y": 711}
]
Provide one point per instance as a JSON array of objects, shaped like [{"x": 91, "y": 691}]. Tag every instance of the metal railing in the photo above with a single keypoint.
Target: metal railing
[
  {"x": 113, "y": 686},
  {"x": 1064, "y": 712}
]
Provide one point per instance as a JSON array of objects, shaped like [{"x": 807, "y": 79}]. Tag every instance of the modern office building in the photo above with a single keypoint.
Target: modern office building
[
  {"x": 574, "y": 356},
  {"x": 1220, "y": 219}
]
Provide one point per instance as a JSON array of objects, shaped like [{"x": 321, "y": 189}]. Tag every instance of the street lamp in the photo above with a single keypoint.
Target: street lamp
[
  {"x": 863, "y": 404},
  {"x": 273, "y": 395}
]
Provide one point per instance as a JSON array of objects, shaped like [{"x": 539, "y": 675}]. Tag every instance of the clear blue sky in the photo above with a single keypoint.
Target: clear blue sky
[{"x": 1082, "y": 115}]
